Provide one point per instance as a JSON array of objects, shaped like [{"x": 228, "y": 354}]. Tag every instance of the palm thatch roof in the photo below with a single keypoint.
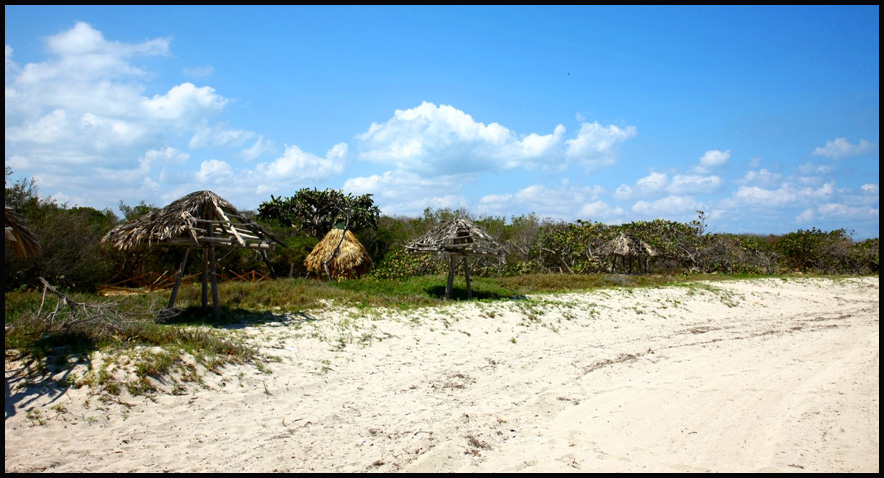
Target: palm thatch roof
[
  {"x": 24, "y": 243},
  {"x": 351, "y": 258},
  {"x": 197, "y": 219},
  {"x": 627, "y": 245},
  {"x": 456, "y": 237}
]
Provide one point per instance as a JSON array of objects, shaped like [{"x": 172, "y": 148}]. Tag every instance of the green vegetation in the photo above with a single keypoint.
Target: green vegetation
[{"x": 543, "y": 256}]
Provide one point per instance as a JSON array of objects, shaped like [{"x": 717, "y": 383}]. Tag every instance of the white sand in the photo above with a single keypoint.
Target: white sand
[{"x": 757, "y": 375}]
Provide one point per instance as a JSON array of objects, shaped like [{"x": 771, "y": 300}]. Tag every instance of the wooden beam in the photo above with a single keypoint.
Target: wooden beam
[
  {"x": 174, "y": 294},
  {"x": 229, "y": 225}
]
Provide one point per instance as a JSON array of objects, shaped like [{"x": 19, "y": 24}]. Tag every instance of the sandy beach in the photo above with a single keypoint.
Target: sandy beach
[{"x": 733, "y": 376}]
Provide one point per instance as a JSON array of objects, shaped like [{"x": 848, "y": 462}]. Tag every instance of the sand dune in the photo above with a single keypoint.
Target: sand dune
[{"x": 742, "y": 376}]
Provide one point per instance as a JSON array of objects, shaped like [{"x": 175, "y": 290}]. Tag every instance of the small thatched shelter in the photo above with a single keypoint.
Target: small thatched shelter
[
  {"x": 24, "y": 243},
  {"x": 458, "y": 238},
  {"x": 200, "y": 220},
  {"x": 339, "y": 254},
  {"x": 627, "y": 247}
]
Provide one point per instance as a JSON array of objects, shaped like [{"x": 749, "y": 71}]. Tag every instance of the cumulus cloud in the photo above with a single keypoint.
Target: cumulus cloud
[
  {"x": 838, "y": 211},
  {"x": 565, "y": 201},
  {"x": 597, "y": 145},
  {"x": 87, "y": 99},
  {"x": 299, "y": 166},
  {"x": 761, "y": 177},
  {"x": 840, "y": 148},
  {"x": 85, "y": 112},
  {"x": 711, "y": 159},
  {"x": 431, "y": 140},
  {"x": 669, "y": 206},
  {"x": 657, "y": 183},
  {"x": 786, "y": 194}
]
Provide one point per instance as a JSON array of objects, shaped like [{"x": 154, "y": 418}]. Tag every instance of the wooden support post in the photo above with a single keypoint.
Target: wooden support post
[
  {"x": 267, "y": 261},
  {"x": 178, "y": 278},
  {"x": 205, "y": 291},
  {"x": 216, "y": 304},
  {"x": 450, "y": 277},
  {"x": 466, "y": 271}
]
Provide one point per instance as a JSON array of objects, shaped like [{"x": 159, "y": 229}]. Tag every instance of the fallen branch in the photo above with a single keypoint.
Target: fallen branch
[{"x": 70, "y": 313}]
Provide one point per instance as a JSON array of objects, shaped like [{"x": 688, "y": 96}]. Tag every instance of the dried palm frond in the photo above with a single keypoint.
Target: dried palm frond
[{"x": 24, "y": 243}]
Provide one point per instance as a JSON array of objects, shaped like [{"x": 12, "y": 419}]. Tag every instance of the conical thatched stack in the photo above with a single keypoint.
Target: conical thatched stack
[
  {"x": 456, "y": 238},
  {"x": 351, "y": 258},
  {"x": 626, "y": 246},
  {"x": 24, "y": 243}
]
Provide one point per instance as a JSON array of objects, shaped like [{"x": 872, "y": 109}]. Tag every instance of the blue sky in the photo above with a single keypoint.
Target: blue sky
[{"x": 766, "y": 118}]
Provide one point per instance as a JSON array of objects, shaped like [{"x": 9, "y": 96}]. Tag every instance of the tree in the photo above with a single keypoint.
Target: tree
[{"x": 315, "y": 212}]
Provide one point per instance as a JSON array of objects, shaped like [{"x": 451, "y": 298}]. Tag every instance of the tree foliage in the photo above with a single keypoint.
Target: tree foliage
[{"x": 315, "y": 212}]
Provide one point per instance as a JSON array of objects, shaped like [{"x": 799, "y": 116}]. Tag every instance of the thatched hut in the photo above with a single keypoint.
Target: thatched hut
[
  {"x": 199, "y": 220},
  {"x": 340, "y": 255},
  {"x": 24, "y": 243},
  {"x": 627, "y": 247},
  {"x": 458, "y": 238}
]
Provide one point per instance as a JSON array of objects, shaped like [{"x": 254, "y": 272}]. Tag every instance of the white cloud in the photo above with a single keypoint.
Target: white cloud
[
  {"x": 659, "y": 183},
  {"x": 838, "y": 211},
  {"x": 396, "y": 187},
  {"x": 870, "y": 188},
  {"x": 840, "y": 148},
  {"x": 761, "y": 177},
  {"x": 651, "y": 184},
  {"x": 806, "y": 216},
  {"x": 689, "y": 183},
  {"x": 669, "y": 206},
  {"x": 213, "y": 171},
  {"x": 184, "y": 104},
  {"x": 810, "y": 168},
  {"x": 785, "y": 195},
  {"x": 846, "y": 211},
  {"x": 713, "y": 158},
  {"x": 597, "y": 145},
  {"x": 85, "y": 105},
  {"x": 216, "y": 135},
  {"x": 564, "y": 201},
  {"x": 600, "y": 211},
  {"x": 299, "y": 166},
  {"x": 431, "y": 140},
  {"x": 261, "y": 146}
]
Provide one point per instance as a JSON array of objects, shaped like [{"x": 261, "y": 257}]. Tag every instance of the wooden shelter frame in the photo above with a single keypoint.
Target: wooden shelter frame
[
  {"x": 459, "y": 239},
  {"x": 200, "y": 220},
  {"x": 627, "y": 247}
]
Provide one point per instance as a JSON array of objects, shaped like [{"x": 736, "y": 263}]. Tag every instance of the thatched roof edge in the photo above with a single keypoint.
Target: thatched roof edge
[
  {"x": 459, "y": 236},
  {"x": 626, "y": 245},
  {"x": 24, "y": 243},
  {"x": 182, "y": 221}
]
